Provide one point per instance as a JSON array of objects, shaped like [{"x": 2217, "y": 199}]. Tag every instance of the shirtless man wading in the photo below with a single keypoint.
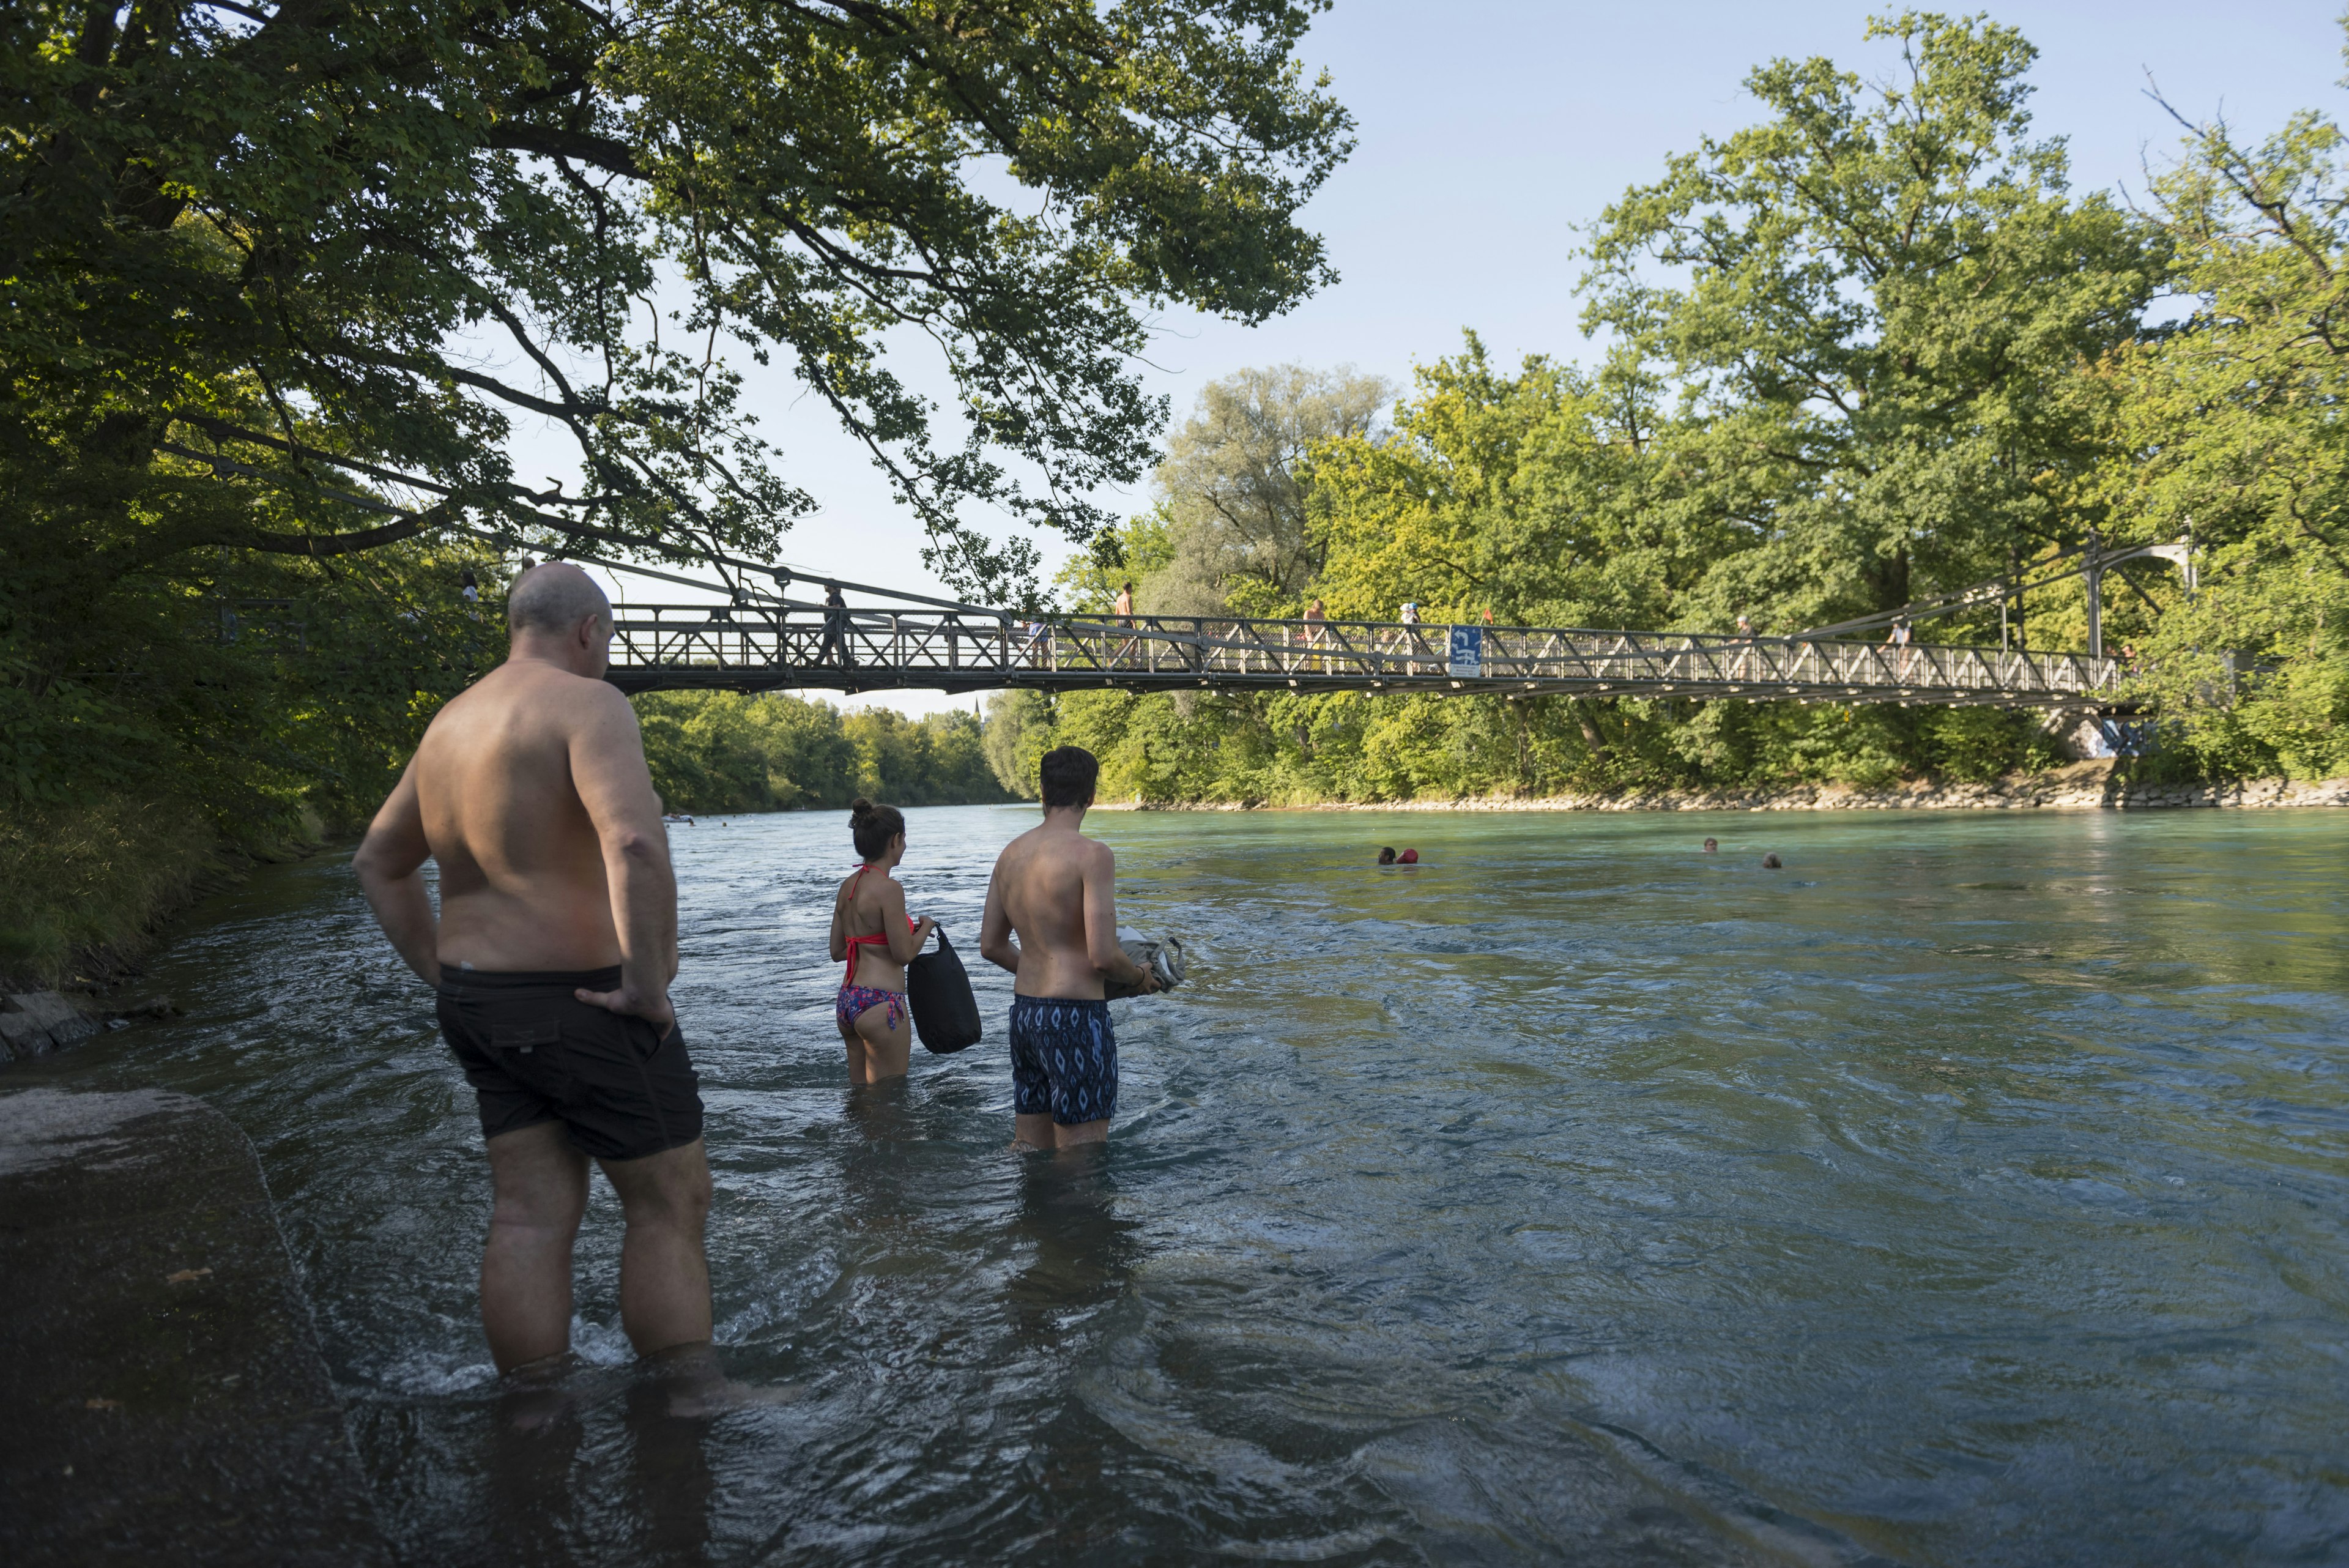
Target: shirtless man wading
[
  {"x": 1053, "y": 891},
  {"x": 552, "y": 955}
]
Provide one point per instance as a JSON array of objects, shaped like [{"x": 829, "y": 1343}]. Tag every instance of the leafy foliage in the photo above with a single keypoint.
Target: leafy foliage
[
  {"x": 2232, "y": 427},
  {"x": 1884, "y": 294},
  {"x": 1868, "y": 349},
  {"x": 1233, "y": 486},
  {"x": 722, "y": 751},
  {"x": 301, "y": 237}
]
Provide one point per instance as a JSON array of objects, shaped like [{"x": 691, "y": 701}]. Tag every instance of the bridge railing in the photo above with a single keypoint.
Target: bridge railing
[{"x": 779, "y": 645}]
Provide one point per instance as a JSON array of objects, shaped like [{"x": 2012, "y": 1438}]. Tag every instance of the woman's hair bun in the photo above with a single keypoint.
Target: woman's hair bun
[{"x": 873, "y": 826}]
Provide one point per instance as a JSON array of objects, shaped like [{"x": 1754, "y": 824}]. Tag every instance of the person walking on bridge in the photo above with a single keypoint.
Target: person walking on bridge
[
  {"x": 1122, "y": 611},
  {"x": 1741, "y": 667},
  {"x": 553, "y": 954},
  {"x": 835, "y": 626}
]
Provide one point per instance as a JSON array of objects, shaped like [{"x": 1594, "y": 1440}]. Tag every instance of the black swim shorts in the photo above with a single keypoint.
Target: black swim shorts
[
  {"x": 534, "y": 1053},
  {"x": 1064, "y": 1059}
]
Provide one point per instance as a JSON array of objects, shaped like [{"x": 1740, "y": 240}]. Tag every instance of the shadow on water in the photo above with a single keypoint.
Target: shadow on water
[
  {"x": 1084, "y": 1254},
  {"x": 593, "y": 1466},
  {"x": 1973, "y": 1191}
]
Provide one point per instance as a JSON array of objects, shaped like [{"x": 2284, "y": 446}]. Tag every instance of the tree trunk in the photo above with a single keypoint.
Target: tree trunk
[{"x": 1591, "y": 735}]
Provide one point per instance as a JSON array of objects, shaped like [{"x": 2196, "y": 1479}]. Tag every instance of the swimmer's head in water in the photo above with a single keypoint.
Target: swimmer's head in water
[
  {"x": 873, "y": 827},
  {"x": 1067, "y": 777},
  {"x": 1408, "y": 857},
  {"x": 1770, "y": 863},
  {"x": 1711, "y": 845},
  {"x": 553, "y": 600},
  {"x": 1386, "y": 857}
]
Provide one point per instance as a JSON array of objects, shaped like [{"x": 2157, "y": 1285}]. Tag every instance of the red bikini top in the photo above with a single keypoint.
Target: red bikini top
[{"x": 880, "y": 938}]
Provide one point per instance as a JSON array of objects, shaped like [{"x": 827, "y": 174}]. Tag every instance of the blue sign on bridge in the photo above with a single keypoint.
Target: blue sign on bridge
[{"x": 1467, "y": 653}]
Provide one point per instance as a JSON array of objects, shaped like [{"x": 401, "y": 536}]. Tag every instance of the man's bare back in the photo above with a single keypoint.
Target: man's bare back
[
  {"x": 511, "y": 781},
  {"x": 530, "y": 791},
  {"x": 1053, "y": 884}
]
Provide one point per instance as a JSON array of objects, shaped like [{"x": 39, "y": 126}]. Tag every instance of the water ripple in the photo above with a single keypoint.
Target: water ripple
[{"x": 1971, "y": 1192}]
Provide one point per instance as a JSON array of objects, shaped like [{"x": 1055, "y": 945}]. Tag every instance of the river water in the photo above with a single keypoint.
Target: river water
[{"x": 1972, "y": 1190}]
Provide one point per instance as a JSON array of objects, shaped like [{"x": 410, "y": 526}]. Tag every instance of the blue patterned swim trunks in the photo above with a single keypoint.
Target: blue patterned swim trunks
[{"x": 1064, "y": 1059}]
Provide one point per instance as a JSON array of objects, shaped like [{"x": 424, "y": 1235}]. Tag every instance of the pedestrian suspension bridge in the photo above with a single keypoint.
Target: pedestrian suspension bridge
[
  {"x": 778, "y": 643},
  {"x": 771, "y": 641}
]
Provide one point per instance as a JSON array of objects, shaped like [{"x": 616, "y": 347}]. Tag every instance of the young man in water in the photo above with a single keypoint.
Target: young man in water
[
  {"x": 553, "y": 954},
  {"x": 1051, "y": 919}
]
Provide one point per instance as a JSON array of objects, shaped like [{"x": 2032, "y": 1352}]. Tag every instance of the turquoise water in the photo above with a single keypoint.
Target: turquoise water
[{"x": 1969, "y": 1191}]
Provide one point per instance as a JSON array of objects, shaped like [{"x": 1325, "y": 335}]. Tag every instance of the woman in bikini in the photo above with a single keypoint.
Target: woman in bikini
[{"x": 871, "y": 934}]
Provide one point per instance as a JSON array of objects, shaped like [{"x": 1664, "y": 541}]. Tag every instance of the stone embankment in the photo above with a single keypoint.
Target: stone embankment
[
  {"x": 2097, "y": 785},
  {"x": 167, "y": 1400},
  {"x": 35, "y": 1022}
]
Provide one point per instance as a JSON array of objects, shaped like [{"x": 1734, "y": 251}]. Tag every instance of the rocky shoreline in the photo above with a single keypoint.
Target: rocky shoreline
[
  {"x": 2096, "y": 785},
  {"x": 36, "y": 1022}
]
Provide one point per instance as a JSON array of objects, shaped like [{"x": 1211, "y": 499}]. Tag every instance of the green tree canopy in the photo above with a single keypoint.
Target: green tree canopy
[
  {"x": 1232, "y": 488},
  {"x": 1873, "y": 304},
  {"x": 345, "y": 246},
  {"x": 2232, "y": 427},
  {"x": 1539, "y": 497},
  {"x": 723, "y": 752}
]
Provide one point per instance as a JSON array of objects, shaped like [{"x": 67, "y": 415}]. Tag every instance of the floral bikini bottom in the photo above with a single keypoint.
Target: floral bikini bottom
[{"x": 854, "y": 1000}]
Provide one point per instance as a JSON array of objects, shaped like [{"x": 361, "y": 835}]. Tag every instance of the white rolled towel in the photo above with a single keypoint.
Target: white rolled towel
[{"x": 1164, "y": 958}]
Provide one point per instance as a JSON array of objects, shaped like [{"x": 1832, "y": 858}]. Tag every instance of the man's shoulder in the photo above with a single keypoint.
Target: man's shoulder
[
  {"x": 1053, "y": 845},
  {"x": 543, "y": 696},
  {"x": 565, "y": 695},
  {"x": 1076, "y": 849}
]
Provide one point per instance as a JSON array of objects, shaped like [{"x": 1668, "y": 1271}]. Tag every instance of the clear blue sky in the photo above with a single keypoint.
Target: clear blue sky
[{"x": 1490, "y": 133}]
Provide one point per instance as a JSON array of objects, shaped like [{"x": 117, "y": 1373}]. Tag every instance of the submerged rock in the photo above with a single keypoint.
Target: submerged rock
[{"x": 35, "y": 1022}]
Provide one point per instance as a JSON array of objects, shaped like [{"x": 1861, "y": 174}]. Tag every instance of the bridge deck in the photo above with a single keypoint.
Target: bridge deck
[{"x": 771, "y": 647}]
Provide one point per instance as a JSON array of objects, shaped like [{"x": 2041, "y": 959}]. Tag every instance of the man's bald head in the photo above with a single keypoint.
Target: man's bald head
[{"x": 554, "y": 599}]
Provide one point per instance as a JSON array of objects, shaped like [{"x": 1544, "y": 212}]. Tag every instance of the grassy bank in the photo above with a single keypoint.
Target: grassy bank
[{"x": 85, "y": 886}]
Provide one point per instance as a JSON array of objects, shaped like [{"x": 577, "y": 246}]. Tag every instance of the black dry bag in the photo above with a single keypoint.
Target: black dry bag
[{"x": 945, "y": 1014}]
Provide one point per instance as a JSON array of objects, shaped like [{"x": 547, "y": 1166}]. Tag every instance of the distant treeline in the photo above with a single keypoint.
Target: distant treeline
[{"x": 718, "y": 750}]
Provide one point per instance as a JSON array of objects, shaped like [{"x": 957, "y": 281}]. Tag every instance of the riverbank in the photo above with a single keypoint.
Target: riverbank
[
  {"x": 84, "y": 888},
  {"x": 2097, "y": 785}
]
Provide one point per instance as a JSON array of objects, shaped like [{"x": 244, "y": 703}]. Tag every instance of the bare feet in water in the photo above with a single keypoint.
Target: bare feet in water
[
  {"x": 698, "y": 1388},
  {"x": 538, "y": 1394}
]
